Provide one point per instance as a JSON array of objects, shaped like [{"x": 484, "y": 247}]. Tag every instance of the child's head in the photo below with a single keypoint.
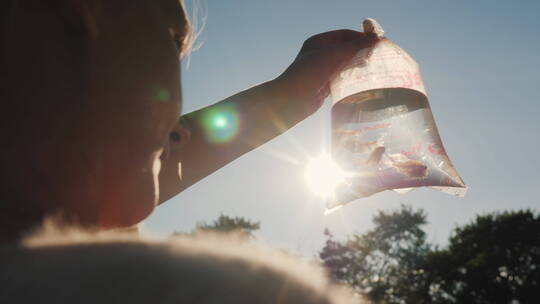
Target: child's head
[{"x": 90, "y": 92}]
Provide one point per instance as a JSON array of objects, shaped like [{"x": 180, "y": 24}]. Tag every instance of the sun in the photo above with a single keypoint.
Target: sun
[{"x": 323, "y": 175}]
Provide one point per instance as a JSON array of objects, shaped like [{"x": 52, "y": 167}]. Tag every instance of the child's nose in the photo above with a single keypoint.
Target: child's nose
[{"x": 166, "y": 151}]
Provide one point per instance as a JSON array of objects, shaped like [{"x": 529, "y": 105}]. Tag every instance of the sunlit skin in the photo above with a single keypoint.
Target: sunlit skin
[{"x": 91, "y": 104}]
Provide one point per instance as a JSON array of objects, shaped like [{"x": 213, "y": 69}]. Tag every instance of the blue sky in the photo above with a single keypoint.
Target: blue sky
[{"x": 481, "y": 66}]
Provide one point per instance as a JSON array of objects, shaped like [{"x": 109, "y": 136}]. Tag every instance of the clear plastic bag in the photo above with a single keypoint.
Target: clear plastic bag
[{"x": 383, "y": 132}]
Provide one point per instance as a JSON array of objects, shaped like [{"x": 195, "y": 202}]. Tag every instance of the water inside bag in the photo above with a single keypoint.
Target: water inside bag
[{"x": 383, "y": 132}]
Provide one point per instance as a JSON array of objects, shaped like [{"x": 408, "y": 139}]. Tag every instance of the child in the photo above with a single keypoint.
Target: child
[{"x": 91, "y": 100}]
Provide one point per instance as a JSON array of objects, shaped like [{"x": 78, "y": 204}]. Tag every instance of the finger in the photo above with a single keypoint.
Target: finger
[
  {"x": 323, "y": 92},
  {"x": 340, "y": 55},
  {"x": 336, "y": 58},
  {"x": 332, "y": 37}
]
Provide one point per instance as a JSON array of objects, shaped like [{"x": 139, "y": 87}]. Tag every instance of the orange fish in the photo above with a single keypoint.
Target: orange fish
[
  {"x": 375, "y": 156},
  {"x": 412, "y": 168}
]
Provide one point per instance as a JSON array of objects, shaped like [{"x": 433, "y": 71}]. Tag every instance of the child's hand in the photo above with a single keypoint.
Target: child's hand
[{"x": 320, "y": 58}]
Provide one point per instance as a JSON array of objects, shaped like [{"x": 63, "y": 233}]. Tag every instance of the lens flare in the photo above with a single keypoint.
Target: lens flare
[
  {"x": 323, "y": 175},
  {"x": 160, "y": 94},
  {"x": 221, "y": 124}
]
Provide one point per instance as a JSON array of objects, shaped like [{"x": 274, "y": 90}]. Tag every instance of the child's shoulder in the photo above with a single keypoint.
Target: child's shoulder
[{"x": 106, "y": 267}]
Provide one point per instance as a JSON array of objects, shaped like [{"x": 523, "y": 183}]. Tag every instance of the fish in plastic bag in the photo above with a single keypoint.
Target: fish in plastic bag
[{"x": 383, "y": 132}]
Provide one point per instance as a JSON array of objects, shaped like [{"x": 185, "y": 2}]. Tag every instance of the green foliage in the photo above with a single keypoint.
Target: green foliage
[
  {"x": 494, "y": 259},
  {"x": 229, "y": 224},
  {"x": 385, "y": 264},
  {"x": 238, "y": 226}
]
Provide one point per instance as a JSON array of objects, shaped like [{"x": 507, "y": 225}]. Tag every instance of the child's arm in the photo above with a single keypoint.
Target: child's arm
[{"x": 224, "y": 131}]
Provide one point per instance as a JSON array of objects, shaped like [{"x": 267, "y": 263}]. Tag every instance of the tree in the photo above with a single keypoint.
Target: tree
[
  {"x": 386, "y": 263},
  {"x": 239, "y": 226},
  {"x": 494, "y": 259}
]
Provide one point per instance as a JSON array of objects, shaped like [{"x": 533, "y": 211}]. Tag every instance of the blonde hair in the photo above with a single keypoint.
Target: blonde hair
[{"x": 194, "y": 25}]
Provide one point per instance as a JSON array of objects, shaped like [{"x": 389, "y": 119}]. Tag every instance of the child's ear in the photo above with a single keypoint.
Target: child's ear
[{"x": 81, "y": 15}]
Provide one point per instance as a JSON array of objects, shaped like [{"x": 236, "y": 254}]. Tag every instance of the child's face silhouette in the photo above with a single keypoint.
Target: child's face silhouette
[
  {"x": 135, "y": 74},
  {"x": 92, "y": 115}
]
